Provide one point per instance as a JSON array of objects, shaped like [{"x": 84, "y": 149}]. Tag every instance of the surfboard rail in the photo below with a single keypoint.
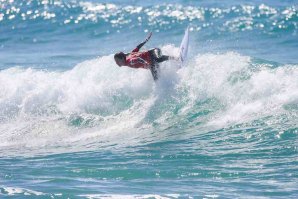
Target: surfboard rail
[{"x": 183, "y": 50}]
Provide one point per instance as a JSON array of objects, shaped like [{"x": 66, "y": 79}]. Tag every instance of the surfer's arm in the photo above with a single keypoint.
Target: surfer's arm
[{"x": 143, "y": 43}]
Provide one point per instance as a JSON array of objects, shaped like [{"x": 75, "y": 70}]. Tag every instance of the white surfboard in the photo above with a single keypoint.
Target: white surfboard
[{"x": 184, "y": 46}]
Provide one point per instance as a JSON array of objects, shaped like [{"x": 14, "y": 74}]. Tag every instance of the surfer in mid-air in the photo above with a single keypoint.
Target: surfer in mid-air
[{"x": 147, "y": 59}]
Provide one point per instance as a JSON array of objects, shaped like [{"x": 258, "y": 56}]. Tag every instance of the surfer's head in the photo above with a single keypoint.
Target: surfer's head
[{"x": 120, "y": 58}]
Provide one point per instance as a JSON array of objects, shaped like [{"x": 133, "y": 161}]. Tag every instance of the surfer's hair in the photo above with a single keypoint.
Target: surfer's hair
[{"x": 119, "y": 55}]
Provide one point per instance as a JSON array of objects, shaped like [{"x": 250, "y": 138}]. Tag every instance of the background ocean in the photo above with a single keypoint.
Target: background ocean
[{"x": 74, "y": 125}]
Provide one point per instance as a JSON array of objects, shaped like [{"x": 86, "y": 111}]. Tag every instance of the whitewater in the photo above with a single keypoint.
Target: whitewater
[
  {"x": 72, "y": 108},
  {"x": 75, "y": 125}
]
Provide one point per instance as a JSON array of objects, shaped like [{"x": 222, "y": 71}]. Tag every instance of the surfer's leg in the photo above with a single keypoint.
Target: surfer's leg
[
  {"x": 157, "y": 56},
  {"x": 165, "y": 58},
  {"x": 155, "y": 71},
  {"x": 162, "y": 58}
]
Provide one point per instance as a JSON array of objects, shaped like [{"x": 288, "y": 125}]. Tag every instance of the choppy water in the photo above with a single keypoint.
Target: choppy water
[{"x": 73, "y": 124}]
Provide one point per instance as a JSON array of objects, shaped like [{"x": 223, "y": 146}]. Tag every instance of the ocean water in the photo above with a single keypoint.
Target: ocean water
[{"x": 75, "y": 125}]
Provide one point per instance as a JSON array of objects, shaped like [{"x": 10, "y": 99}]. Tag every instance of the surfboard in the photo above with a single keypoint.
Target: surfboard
[{"x": 184, "y": 46}]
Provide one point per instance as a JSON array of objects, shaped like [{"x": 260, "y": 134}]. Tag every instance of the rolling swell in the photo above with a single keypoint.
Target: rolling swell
[{"x": 79, "y": 24}]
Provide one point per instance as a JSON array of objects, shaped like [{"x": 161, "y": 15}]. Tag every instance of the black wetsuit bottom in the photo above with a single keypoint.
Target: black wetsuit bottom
[
  {"x": 162, "y": 58},
  {"x": 156, "y": 58}
]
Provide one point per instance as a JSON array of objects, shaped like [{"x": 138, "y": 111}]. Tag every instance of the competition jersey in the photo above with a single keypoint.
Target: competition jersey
[{"x": 138, "y": 59}]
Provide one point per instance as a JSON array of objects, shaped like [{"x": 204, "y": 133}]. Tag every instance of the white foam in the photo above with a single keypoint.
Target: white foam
[
  {"x": 14, "y": 191},
  {"x": 244, "y": 91},
  {"x": 99, "y": 103},
  {"x": 146, "y": 196}
]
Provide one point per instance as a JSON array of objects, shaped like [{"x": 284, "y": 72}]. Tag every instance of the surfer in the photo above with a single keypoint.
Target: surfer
[{"x": 147, "y": 59}]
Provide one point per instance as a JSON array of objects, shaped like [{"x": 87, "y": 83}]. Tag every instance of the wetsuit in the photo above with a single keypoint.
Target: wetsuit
[
  {"x": 147, "y": 59},
  {"x": 137, "y": 59}
]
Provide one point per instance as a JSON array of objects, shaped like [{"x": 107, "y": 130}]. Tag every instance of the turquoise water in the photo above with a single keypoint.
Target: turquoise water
[{"x": 74, "y": 125}]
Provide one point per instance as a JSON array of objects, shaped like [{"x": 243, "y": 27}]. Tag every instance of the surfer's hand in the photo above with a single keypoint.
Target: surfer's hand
[{"x": 149, "y": 36}]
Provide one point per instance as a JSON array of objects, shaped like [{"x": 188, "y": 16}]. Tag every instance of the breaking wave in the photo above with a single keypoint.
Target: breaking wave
[{"x": 97, "y": 103}]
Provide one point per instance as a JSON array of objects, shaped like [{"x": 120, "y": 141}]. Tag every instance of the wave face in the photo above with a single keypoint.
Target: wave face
[{"x": 73, "y": 124}]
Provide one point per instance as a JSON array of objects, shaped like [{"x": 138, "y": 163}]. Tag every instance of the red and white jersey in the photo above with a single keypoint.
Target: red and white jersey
[{"x": 138, "y": 59}]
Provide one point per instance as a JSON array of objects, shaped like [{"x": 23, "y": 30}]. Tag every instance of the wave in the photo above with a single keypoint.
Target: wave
[{"x": 98, "y": 103}]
